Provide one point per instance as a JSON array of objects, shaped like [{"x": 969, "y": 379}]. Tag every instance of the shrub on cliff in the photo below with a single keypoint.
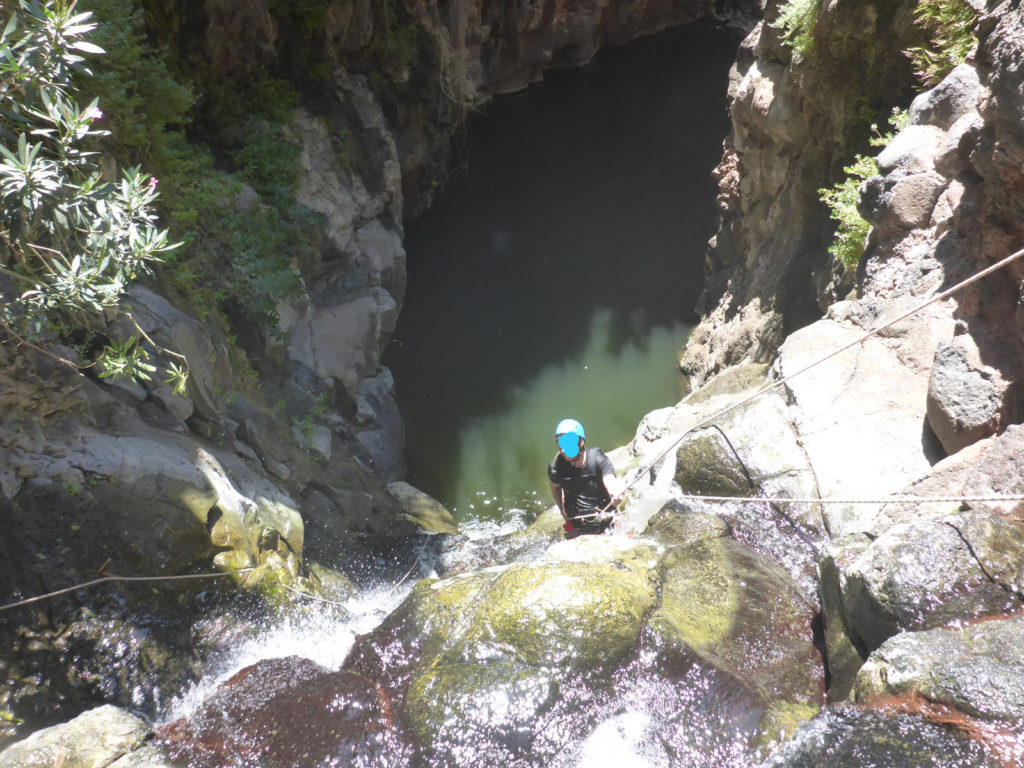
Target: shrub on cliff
[
  {"x": 70, "y": 242},
  {"x": 841, "y": 198},
  {"x": 795, "y": 23},
  {"x": 949, "y": 25}
]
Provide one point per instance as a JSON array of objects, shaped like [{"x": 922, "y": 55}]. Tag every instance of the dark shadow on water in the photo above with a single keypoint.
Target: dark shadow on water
[{"x": 591, "y": 191}]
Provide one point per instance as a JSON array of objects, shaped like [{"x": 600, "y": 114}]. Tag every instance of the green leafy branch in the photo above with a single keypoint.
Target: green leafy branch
[
  {"x": 795, "y": 23},
  {"x": 949, "y": 25},
  {"x": 851, "y": 228},
  {"x": 70, "y": 242}
]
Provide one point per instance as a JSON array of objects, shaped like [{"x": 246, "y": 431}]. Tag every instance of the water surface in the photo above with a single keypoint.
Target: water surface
[{"x": 557, "y": 276}]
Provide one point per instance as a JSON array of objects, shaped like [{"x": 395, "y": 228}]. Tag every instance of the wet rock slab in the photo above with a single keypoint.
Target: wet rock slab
[
  {"x": 977, "y": 670},
  {"x": 929, "y": 573},
  {"x": 290, "y": 713},
  {"x": 845, "y": 737}
]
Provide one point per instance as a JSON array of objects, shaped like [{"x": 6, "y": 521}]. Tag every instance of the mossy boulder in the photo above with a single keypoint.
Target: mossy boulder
[
  {"x": 976, "y": 670},
  {"x": 487, "y": 652},
  {"x": 741, "y": 614},
  {"x": 894, "y": 585}
]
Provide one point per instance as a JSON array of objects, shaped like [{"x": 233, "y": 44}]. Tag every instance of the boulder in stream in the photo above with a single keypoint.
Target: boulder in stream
[
  {"x": 287, "y": 713},
  {"x": 975, "y": 669},
  {"x": 931, "y": 573},
  {"x": 94, "y": 739}
]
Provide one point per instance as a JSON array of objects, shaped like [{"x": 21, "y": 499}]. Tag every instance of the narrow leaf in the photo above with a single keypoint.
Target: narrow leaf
[{"x": 81, "y": 45}]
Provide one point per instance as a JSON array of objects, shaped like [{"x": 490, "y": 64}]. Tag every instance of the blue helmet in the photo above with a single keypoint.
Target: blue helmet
[
  {"x": 569, "y": 425},
  {"x": 568, "y": 433}
]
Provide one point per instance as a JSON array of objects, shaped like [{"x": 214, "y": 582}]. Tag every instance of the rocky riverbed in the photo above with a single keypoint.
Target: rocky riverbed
[{"x": 841, "y": 628}]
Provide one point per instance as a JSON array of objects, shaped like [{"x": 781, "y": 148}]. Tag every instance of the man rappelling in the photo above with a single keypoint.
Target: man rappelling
[{"x": 583, "y": 481}]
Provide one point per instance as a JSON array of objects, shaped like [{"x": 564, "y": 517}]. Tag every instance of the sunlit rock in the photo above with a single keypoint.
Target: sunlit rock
[
  {"x": 900, "y": 200},
  {"x": 859, "y": 416},
  {"x": 931, "y": 573},
  {"x": 912, "y": 150},
  {"x": 751, "y": 451},
  {"x": 957, "y": 95},
  {"x": 842, "y": 737},
  {"x": 963, "y": 395},
  {"x": 95, "y": 738},
  {"x": 975, "y": 669},
  {"x": 999, "y": 473},
  {"x": 421, "y": 508}
]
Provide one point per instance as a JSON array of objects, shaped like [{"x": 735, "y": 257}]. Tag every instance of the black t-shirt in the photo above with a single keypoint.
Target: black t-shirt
[{"x": 583, "y": 489}]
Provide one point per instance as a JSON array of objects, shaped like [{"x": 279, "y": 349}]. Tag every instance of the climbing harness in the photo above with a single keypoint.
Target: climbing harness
[{"x": 776, "y": 384}]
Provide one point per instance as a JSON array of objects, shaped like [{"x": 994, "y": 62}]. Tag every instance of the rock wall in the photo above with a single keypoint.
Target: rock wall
[
  {"x": 929, "y": 407},
  {"x": 797, "y": 120}
]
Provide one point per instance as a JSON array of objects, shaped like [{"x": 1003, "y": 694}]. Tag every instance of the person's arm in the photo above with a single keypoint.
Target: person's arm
[
  {"x": 614, "y": 487},
  {"x": 559, "y": 497}
]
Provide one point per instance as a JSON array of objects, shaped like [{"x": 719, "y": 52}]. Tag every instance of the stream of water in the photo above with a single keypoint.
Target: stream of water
[{"x": 557, "y": 276}]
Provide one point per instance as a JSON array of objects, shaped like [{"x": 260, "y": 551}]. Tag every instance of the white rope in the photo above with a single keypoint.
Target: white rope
[
  {"x": 883, "y": 500},
  {"x": 818, "y": 500},
  {"x": 112, "y": 577}
]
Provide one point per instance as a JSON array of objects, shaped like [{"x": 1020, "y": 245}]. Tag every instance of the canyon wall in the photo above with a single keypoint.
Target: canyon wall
[
  {"x": 797, "y": 120},
  {"x": 943, "y": 205}
]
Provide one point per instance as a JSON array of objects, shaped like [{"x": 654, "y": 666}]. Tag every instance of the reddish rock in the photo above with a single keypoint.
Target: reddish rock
[{"x": 288, "y": 712}]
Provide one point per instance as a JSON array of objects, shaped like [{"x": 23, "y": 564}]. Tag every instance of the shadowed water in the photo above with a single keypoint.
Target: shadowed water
[{"x": 557, "y": 277}]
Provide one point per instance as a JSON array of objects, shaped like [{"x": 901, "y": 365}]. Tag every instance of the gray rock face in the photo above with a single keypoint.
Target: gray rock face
[
  {"x": 503, "y": 48},
  {"x": 94, "y": 739},
  {"x": 380, "y": 427},
  {"x": 339, "y": 329},
  {"x": 1000, "y": 471},
  {"x": 912, "y": 150},
  {"x": 963, "y": 402},
  {"x": 845, "y": 736},
  {"x": 927, "y": 574},
  {"x": 792, "y": 119},
  {"x": 864, "y": 400},
  {"x": 956, "y": 96},
  {"x": 176, "y": 331},
  {"x": 900, "y": 200},
  {"x": 975, "y": 669}
]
